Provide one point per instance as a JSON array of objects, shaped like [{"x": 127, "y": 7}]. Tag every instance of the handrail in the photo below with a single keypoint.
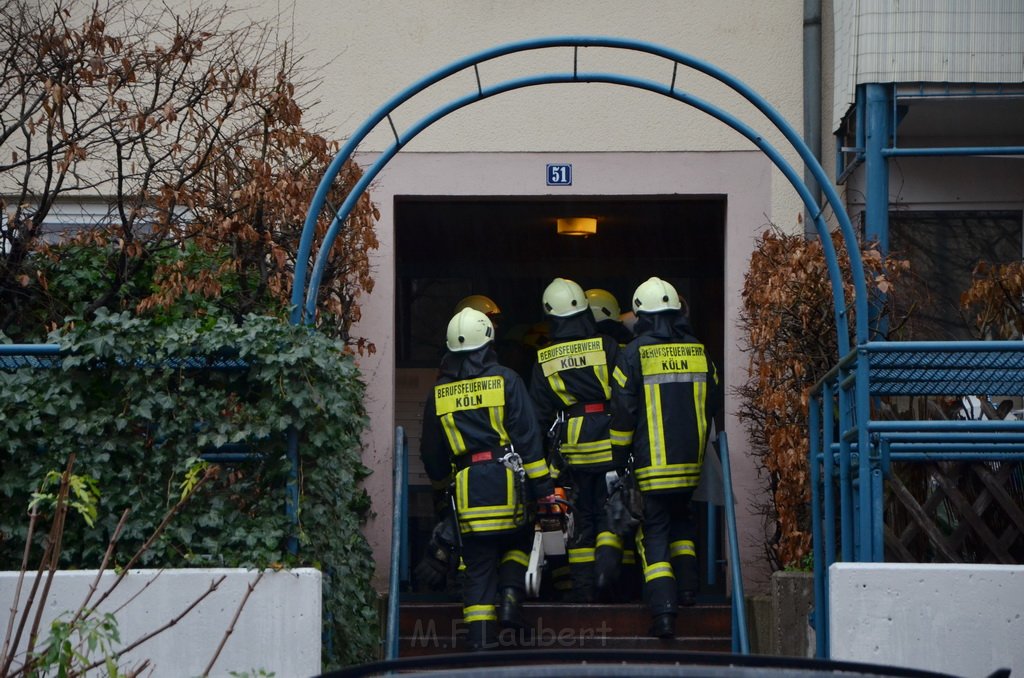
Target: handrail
[
  {"x": 740, "y": 640},
  {"x": 401, "y": 471}
]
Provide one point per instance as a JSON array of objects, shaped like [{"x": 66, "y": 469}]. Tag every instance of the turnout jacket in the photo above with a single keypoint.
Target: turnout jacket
[
  {"x": 573, "y": 376},
  {"x": 663, "y": 387},
  {"x": 476, "y": 413}
]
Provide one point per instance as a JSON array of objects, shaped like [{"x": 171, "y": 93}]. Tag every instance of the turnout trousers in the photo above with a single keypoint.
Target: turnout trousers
[
  {"x": 666, "y": 543},
  {"x": 493, "y": 562}
]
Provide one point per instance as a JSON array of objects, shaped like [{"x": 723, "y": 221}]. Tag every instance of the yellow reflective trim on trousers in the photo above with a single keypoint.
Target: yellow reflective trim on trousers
[
  {"x": 621, "y": 437},
  {"x": 657, "y": 571},
  {"x": 609, "y": 539},
  {"x": 536, "y": 469},
  {"x": 583, "y": 555},
  {"x": 620, "y": 377},
  {"x": 516, "y": 556},
  {"x": 558, "y": 388},
  {"x": 451, "y": 432},
  {"x": 640, "y": 545},
  {"x": 479, "y": 613},
  {"x": 655, "y": 432},
  {"x": 683, "y": 547},
  {"x": 629, "y": 557}
]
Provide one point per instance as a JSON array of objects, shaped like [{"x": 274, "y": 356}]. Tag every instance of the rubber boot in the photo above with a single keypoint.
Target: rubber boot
[
  {"x": 582, "y": 583},
  {"x": 663, "y": 626},
  {"x": 607, "y": 567},
  {"x": 510, "y": 610},
  {"x": 482, "y": 635}
]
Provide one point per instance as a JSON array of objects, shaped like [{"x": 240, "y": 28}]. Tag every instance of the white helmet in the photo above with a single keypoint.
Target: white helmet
[
  {"x": 563, "y": 298},
  {"x": 468, "y": 330},
  {"x": 479, "y": 302},
  {"x": 656, "y": 295},
  {"x": 603, "y": 305}
]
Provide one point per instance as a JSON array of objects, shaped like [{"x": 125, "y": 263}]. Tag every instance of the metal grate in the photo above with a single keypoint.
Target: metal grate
[{"x": 971, "y": 370}]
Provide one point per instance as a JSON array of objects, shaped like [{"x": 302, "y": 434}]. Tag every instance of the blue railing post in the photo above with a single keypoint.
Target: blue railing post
[
  {"x": 740, "y": 640},
  {"x": 398, "y": 512}
]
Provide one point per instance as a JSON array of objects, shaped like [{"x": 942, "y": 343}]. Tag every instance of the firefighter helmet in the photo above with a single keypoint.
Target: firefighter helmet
[
  {"x": 480, "y": 303},
  {"x": 656, "y": 295},
  {"x": 468, "y": 330},
  {"x": 563, "y": 298},
  {"x": 603, "y": 305}
]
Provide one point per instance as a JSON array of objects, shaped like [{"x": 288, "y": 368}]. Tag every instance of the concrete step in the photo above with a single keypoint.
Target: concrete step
[{"x": 427, "y": 628}]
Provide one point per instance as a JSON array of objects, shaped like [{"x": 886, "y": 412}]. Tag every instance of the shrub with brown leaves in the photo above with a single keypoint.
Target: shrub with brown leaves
[{"x": 789, "y": 323}]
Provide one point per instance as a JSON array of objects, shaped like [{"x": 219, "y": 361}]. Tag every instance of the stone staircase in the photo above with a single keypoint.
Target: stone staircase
[{"x": 432, "y": 628}]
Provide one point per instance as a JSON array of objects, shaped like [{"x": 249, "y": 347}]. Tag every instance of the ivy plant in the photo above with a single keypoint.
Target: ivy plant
[{"x": 139, "y": 400}]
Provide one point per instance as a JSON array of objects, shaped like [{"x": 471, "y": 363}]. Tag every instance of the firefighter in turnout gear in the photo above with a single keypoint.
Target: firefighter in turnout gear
[
  {"x": 480, "y": 430},
  {"x": 571, "y": 385},
  {"x": 605, "y": 308},
  {"x": 663, "y": 386}
]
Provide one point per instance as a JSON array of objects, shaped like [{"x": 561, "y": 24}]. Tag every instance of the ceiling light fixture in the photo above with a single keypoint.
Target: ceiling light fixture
[{"x": 577, "y": 226}]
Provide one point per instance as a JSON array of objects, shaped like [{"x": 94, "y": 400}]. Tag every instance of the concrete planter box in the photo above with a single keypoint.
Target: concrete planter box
[
  {"x": 778, "y": 621},
  {"x": 278, "y": 630}
]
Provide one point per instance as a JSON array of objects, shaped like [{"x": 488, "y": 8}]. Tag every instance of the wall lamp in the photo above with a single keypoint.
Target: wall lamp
[{"x": 577, "y": 226}]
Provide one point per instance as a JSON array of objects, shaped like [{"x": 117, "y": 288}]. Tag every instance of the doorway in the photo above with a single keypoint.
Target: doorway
[{"x": 508, "y": 248}]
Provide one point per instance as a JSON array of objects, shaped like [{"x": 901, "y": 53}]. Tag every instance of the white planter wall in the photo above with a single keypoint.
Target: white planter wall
[{"x": 278, "y": 630}]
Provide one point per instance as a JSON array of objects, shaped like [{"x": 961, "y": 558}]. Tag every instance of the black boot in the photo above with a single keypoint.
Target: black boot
[
  {"x": 510, "y": 612},
  {"x": 687, "y": 598},
  {"x": 664, "y": 626},
  {"x": 482, "y": 635}
]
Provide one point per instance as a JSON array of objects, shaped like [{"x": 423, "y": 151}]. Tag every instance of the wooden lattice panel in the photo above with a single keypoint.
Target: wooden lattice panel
[{"x": 955, "y": 512}]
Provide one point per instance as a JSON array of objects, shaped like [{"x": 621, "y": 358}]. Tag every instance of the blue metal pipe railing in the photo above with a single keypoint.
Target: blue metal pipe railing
[
  {"x": 398, "y": 513},
  {"x": 369, "y": 174},
  {"x": 740, "y": 639},
  {"x": 306, "y": 312}
]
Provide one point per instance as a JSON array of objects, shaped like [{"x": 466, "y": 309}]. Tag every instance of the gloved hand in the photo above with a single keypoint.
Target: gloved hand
[{"x": 432, "y": 572}]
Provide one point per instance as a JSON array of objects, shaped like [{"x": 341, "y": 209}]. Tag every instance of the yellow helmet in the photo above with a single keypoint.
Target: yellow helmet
[
  {"x": 603, "y": 304},
  {"x": 480, "y": 303},
  {"x": 656, "y": 295},
  {"x": 468, "y": 330},
  {"x": 563, "y": 298}
]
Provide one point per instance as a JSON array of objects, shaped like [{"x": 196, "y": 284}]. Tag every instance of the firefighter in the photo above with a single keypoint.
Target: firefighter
[
  {"x": 480, "y": 432},
  {"x": 484, "y": 304},
  {"x": 605, "y": 308},
  {"x": 511, "y": 352},
  {"x": 660, "y": 414},
  {"x": 570, "y": 388}
]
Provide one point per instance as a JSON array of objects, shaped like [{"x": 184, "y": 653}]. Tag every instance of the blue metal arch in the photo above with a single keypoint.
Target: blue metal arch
[{"x": 306, "y": 311}]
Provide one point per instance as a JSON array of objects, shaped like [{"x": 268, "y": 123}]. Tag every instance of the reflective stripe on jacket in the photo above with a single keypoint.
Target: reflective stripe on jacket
[{"x": 660, "y": 405}]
